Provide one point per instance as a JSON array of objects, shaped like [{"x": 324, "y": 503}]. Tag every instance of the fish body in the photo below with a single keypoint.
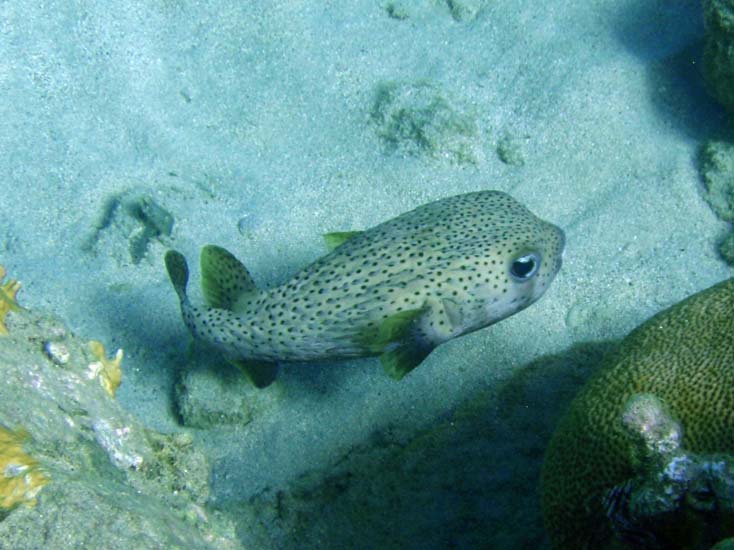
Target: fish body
[{"x": 396, "y": 290}]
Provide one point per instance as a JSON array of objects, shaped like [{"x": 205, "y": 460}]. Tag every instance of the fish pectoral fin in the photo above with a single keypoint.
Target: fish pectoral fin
[
  {"x": 397, "y": 326},
  {"x": 403, "y": 358},
  {"x": 225, "y": 281},
  {"x": 260, "y": 373},
  {"x": 391, "y": 330},
  {"x": 394, "y": 340},
  {"x": 338, "y": 238}
]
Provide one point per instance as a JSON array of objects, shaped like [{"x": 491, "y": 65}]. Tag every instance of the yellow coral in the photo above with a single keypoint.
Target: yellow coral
[
  {"x": 108, "y": 370},
  {"x": 7, "y": 299},
  {"x": 21, "y": 478}
]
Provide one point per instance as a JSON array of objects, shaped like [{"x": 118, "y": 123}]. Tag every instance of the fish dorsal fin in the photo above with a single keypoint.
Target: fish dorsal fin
[
  {"x": 224, "y": 280},
  {"x": 338, "y": 238}
]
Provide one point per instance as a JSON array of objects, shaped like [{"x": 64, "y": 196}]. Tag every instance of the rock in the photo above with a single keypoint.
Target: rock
[
  {"x": 718, "y": 59},
  {"x": 130, "y": 222},
  {"x": 417, "y": 119},
  {"x": 510, "y": 151},
  {"x": 717, "y": 169},
  {"x": 461, "y": 11},
  {"x": 210, "y": 393},
  {"x": 726, "y": 246}
]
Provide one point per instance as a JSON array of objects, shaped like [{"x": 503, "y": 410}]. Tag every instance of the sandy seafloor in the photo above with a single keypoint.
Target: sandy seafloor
[{"x": 250, "y": 122}]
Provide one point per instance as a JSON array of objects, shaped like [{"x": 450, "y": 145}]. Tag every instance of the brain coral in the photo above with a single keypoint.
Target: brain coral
[{"x": 684, "y": 356}]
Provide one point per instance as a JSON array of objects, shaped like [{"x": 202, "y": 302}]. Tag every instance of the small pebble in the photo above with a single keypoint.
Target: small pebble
[
  {"x": 183, "y": 439},
  {"x": 57, "y": 352}
]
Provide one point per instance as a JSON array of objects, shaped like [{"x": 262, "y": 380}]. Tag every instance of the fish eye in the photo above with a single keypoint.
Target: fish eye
[{"x": 525, "y": 267}]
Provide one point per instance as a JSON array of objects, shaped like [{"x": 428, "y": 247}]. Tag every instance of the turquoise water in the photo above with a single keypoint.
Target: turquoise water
[{"x": 260, "y": 126}]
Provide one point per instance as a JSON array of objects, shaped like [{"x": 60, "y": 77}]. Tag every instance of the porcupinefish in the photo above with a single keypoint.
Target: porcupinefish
[{"x": 395, "y": 291}]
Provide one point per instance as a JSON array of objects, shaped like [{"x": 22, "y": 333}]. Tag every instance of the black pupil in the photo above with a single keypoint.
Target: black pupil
[{"x": 523, "y": 266}]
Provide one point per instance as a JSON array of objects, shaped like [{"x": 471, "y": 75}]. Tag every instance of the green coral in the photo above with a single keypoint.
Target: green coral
[{"x": 682, "y": 357}]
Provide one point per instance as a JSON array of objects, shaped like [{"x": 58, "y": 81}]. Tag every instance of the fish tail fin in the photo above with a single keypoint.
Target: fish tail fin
[
  {"x": 178, "y": 272},
  {"x": 225, "y": 281}
]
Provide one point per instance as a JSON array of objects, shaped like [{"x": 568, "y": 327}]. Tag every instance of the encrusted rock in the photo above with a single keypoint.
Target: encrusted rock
[
  {"x": 718, "y": 60},
  {"x": 98, "y": 477},
  {"x": 417, "y": 119}
]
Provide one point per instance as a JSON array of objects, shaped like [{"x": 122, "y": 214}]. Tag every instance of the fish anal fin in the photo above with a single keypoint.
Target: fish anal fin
[
  {"x": 260, "y": 373},
  {"x": 403, "y": 358},
  {"x": 338, "y": 238},
  {"x": 225, "y": 281}
]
